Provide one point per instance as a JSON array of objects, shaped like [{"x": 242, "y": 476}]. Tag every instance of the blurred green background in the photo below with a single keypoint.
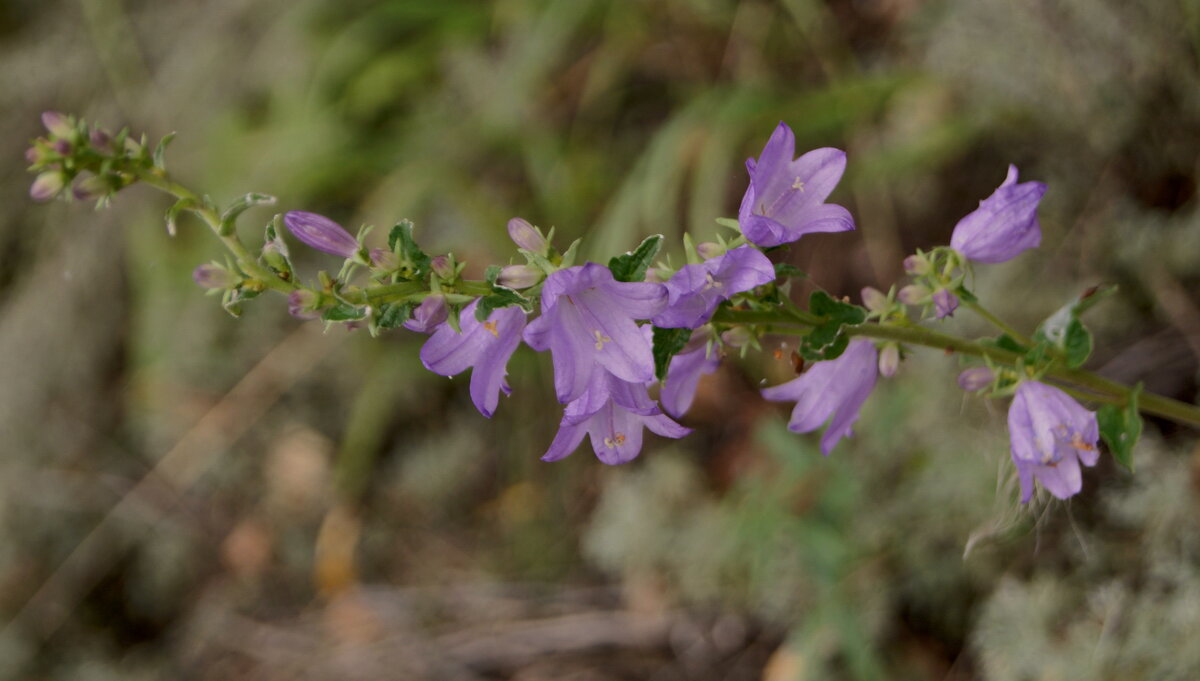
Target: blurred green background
[{"x": 188, "y": 496}]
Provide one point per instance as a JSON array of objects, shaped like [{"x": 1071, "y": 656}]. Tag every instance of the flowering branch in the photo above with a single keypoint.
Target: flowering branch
[{"x": 614, "y": 330}]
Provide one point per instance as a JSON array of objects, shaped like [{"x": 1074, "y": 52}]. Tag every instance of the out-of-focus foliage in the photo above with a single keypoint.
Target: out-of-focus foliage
[{"x": 182, "y": 494}]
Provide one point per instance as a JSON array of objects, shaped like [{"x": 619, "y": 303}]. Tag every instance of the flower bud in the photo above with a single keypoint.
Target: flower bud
[
  {"x": 526, "y": 236},
  {"x": 913, "y": 294},
  {"x": 874, "y": 299},
  {"x": 384, "y": 259},
  {"x": 321, "y": 233},
  {"x": 57, "y": 124},
  {"x": 211, "y": 276},
  {"x": 100, "y": 140},
  {"x": 33, "y": 155},
  {"x": 47, "y": 186},
  {"x": 518, "y": 276},
  {"x": 737, "y": 337},
  {"x": 61, "y": 147},
  {"x": 708, "y": 249},
  {"x": 302, "y": 304},
  {"x": 429, "y": 314},
  {"x": 975, "y": 378},
  {"x": 90, "y": 188},
  {"x": 944, "y": 303},
  {"x": 275, "y": 255},
  {"x": 442, "y": 266},
  {"x": 889, "y": 359},
  {"x": 917, "y": 264}
]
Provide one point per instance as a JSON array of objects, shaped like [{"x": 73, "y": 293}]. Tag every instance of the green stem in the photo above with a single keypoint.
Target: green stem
[
  {"x": 1095, "y": 387},
  {"x": 999, "y": 323},
  {"x": 246, "y": 262}
]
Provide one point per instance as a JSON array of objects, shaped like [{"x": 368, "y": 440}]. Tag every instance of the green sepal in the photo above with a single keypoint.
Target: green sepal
[
  {"x": 667, "y": 343},
  {"x": 632, "y": 266},
  {"x": 965, "y": 295},
  {"x": 344, "y": 312},
  {"x": 826, "y": 340},
  {"x": 233, "y": 299},
  {"x": 569, "y": 256},
  {"x": 501, "y": 296},
  {"x": 1121, "y": 428},
  {"x": 785, "y": 271},
  {"x": 731, "y": 223},
  {"x": 393, "y": 315},
  {"x": 401, "y": 242}
]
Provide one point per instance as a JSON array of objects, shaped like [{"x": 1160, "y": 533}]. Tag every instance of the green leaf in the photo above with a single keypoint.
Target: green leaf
[
  {"x": 965, "y": 295},
  {"x": 1077, "y": 344},
  {"x": 241, "y": 206},
  {"x": 173, "y": 212},
  {"x": 633, "y": 265},
  {"x": 500, "y": 297},
  {"x": 1121, "y": 428},
  {"x": 784, "y": 271},
  {"x": 160, "y": 151},
  {"x": 344, "y": 312},
  {"x": 826, "y": 340},
  {"x": 401, "y": 242},
  {"x": 393, "y": 315},
  {"x": 1006, "y": 342},
  {"x": 667, "y": 343}
]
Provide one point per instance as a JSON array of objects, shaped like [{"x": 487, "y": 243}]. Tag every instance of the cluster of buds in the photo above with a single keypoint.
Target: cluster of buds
[{"x": 84, "y": 163}]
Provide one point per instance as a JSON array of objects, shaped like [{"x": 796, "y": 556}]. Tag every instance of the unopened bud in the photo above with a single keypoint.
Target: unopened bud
[
  {"x": 321, "y": 233},
  {"x": 90, "y": 188},
  {"x": 913, "y": 294},
  {"x": 61, "y": 147},
  {"x": 302, "y": 304},
  {"x": 737, "y": 337},
  {"x": 518, "y": 276},
  {"x": 442, "y": 266},
  {"x": 429, "y": 314},
  {"x": 944, "y": 303},
  {"x": 100, "y": 139},
  {"x": 384, "y": 259},
  {"x": 275, "y": 255},
  {"x": 917, "y": 264},
  {"x": 47, "y": 186},
  {"x": 526, "y": 236},
  {"x": 709, "y": 249},
  {"x": 57, "y": 124},
  {"x": 32, "y": 155},
  {"x": 213, "y": 276},
  {"x": 874, "y": 299},
  {"x": 889, "y": 360},
  {"x": 975, "y": 378}
]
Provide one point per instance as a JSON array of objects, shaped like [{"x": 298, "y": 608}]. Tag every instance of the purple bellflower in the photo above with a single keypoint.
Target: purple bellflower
[
  {"x": 613, "y": 412},
  {"x": 786, "y": 197},
  {"x": 1051, "y": 435},
  {"x": 683, "y": 374},
  {"x": 321, "y": 233},
  {"x": 1004, "y": 225},
  {"x": 484, "y": 346},
  {"x": 836, "y": 388},
  {"x": 588, "y": 324},
  {"x": 696, "y": 290}
]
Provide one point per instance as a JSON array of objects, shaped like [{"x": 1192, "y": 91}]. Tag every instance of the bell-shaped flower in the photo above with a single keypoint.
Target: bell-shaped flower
[
  {"x": 613, "y": 412},
  {"x": 696, "y": 290},
  {"x": 321, "y": 233},
  {"x": 1005, "y": 223},
  {"x": 698, "y": 357},
  {"x": 588, "y": 323},
  {"x": 1051, "y": 435},
  {"x": 484, "y": 346},
  {"x": 836, "y": 388},
  {"x": 786, "y": 196}
]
